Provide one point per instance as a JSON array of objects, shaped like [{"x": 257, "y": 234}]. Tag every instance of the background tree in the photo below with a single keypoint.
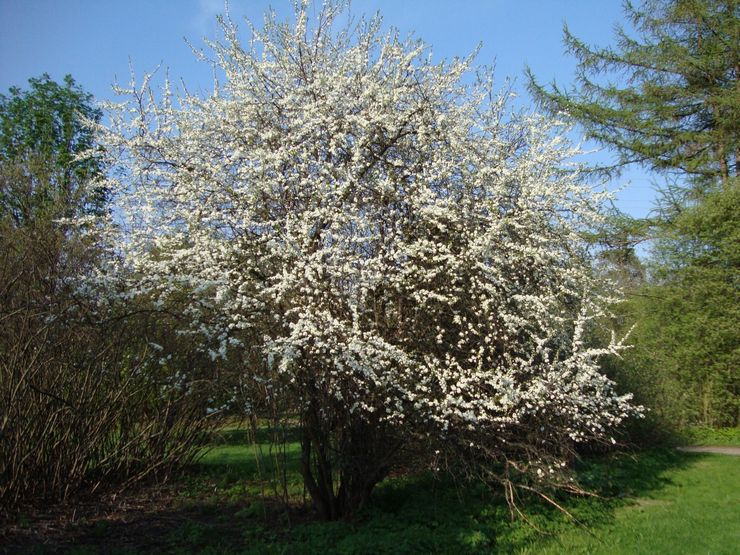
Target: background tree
[
  {"x": 675, "y": 110},
  {"x": 45, "y": 134},
  {"x": 679, "y": 109},
  {"x": 382, "y": 251}
]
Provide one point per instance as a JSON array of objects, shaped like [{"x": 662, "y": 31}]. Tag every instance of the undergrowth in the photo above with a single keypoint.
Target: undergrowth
[{"x": 654, "y": 501}]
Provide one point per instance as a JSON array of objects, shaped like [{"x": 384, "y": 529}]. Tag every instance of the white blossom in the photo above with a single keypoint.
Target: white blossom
[{"x": 377, "y": 228}]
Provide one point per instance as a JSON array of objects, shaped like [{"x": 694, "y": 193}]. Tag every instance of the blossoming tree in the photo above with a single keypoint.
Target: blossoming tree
[{"x": 378, "y": 244}]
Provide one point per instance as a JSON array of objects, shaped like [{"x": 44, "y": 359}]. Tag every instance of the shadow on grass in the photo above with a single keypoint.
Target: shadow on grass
[{"x": 413, "y": 514}]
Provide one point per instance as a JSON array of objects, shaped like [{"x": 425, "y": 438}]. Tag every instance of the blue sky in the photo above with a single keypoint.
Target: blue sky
[{"x": 94, "y": 40}]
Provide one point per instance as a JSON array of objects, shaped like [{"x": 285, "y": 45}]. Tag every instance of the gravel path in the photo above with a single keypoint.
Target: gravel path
[{"x": 712, "y": 449}]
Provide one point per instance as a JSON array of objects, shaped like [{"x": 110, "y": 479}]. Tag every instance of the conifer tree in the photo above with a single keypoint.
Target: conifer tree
[{"x": 675, "y": 106}]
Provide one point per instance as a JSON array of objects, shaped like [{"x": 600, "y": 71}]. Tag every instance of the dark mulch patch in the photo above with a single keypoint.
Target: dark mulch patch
[
  {"x": 34, "y": 527},
  {"x": 157, "y": 520}
]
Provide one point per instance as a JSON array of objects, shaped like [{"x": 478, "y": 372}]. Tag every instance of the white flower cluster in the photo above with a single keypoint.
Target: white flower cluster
[{"x": 392, "y": 242}]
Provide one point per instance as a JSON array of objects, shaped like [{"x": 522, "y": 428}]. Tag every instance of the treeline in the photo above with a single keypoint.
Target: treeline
[{"x": 673, "y": 108}]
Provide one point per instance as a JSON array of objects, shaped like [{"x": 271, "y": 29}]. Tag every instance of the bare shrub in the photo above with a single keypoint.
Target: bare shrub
[{"x": 86, "y": 404}]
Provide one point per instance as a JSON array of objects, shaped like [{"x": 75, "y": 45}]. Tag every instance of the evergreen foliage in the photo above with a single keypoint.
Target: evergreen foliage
[{"x": 679, "y": 106}]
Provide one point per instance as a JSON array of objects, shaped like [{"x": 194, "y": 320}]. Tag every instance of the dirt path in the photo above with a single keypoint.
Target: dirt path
[{"x": 712, "y": 449}]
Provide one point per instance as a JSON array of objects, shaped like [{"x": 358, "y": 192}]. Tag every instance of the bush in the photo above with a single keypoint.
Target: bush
[
  {"x": 382, "y": 251},
  {"x": 84, "y": 404}
]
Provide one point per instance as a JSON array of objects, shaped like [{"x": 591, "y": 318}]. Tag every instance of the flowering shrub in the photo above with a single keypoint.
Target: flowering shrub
[{"x": 378, "y": 244}]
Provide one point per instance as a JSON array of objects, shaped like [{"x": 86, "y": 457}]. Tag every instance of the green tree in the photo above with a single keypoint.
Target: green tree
[
  {"x": 44, "y": 135},
  {"x": 677, "y": 106},
  {"x": 689, "y": 313},
  {"x": 667, "y": 97}
]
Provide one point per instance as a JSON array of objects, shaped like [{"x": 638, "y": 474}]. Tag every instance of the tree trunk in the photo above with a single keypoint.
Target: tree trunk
[{"x": 341, "y": 467}]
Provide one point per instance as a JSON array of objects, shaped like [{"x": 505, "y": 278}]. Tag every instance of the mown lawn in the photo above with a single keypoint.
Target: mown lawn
[
  {"x": 658, "y": 501},
  {"x": 696, "y": 510}
]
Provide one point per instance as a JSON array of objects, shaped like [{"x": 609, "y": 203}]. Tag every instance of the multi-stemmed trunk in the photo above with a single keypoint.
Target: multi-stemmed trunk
[{"x": 342, "y": 464}]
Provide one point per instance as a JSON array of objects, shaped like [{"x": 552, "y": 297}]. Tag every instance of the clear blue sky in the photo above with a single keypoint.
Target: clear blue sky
[{"x": 94, "y": 40}]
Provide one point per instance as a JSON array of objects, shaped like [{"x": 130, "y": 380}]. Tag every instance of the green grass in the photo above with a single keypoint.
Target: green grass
[
  {"x": 237, "y": 467},
  {"x": 655, "y": 502},
  {"x": 697, "y": 510}
]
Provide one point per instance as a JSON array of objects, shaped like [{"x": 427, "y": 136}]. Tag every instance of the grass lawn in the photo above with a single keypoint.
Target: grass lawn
[
  {"x": 658, "y": 501},
  {"x": 696, "y": 510}
]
